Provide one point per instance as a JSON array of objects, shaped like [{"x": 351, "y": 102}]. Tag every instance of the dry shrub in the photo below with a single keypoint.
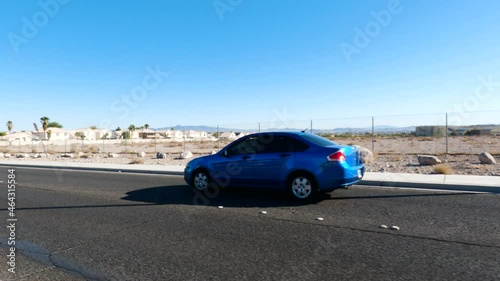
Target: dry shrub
[
  {"x": 398, "y": 157},
  {"x": 72, "y": 150},
  {"x": 470, "y": 140},
  {"x": 137, "y": 160},
  {"x": 443, "y": 169},
  {"x": 175, "y": 144},
  {"x": 92, "y": 149},
  {"x": 426, "y": 139},
  {"x": 205, "y": 145}
]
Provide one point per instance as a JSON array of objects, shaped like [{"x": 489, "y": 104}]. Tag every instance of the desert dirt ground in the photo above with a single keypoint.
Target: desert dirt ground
[{"x": 392, "y": 154}]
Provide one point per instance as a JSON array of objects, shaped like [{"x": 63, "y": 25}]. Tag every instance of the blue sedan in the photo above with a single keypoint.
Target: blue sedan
[{"x": 301, "y": 163}]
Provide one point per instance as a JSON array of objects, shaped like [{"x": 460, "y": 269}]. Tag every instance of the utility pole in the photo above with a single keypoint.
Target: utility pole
[
  {"x": 446, "y": 134},
  {"x": 373, "y": 134}
]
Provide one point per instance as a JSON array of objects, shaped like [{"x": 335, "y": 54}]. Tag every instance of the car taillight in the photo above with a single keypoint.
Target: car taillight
[{"x": 337, "y": 156}]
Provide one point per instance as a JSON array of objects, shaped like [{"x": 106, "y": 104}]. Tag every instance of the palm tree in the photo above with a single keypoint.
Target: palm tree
[
  {"x": 45, "y": 124},
  {"x": 146, "y": 126},
  {"x": 81, "y": 136},
  {"x": 9, "y": 126},
  {"x": 131, "y": 128}
]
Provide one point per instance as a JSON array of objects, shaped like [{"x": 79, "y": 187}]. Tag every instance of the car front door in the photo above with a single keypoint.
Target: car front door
[{"x": 235, "y": 166}]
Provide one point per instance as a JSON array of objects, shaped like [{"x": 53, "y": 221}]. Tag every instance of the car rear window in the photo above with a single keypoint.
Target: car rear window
[{"x": 318, "y": 140}]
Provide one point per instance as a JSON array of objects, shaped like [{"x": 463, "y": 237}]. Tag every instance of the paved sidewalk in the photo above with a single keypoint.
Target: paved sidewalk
[
  {"x": 434, "y": 181},
  {"x": 441, "y": 182}
]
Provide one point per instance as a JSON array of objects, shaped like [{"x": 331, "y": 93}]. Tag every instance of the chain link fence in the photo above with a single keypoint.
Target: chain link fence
[{"x": 436, "y": 134}]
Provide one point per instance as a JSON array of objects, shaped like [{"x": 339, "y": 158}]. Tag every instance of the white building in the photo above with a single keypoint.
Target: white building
[
  {"x": 149, "y": 134},
  {"x": 196, "y": 135},
  {"x": 90, "y": 134},
  {"x": 240, "y": 134},
  {"x": 228, "y": 136},
  {"x": 57, "y": 134},
  {"x": 102, "y": 134},
  {"x": 20, "y": 136},
  {"x": 174, "y": 135}
]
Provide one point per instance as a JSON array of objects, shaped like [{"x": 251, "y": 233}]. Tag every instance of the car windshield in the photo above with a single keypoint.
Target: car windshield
[{"x": 318, "y": 140}]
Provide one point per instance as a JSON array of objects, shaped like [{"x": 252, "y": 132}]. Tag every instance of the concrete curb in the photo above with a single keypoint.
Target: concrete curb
[
  {"x": 97, "y": 169},
  {"x": 435, "y": 186}
]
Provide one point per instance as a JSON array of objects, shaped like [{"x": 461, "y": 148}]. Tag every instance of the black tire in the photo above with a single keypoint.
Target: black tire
[
  {"x": 201, "y": 180},
  {"x": 302, "y": 187}
]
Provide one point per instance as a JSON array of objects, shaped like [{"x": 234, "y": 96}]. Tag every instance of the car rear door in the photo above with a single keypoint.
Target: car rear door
[{"x": 273, "y": 162}]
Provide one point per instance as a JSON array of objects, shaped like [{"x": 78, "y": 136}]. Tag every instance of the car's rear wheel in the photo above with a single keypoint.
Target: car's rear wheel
[
  {"x": 302, "y": 187},
  {"x": 201, "y": 180}
]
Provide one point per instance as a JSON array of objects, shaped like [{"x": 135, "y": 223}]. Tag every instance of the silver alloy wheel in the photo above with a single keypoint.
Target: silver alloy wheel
[
  {"x": 201, "y": 181},
  {"x": 301, "y": 187}
]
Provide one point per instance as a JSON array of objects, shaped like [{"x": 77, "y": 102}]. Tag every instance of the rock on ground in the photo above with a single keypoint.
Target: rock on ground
[
  {"x": 486, "y": 158},
  {"x": 428, "y": 160},
  {"x": 186, "y": 155},
  {"x": 365, "y": 154}
]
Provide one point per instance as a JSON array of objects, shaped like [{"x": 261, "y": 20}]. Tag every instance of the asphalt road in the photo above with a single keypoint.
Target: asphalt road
[{"x": 115, "y": 226}]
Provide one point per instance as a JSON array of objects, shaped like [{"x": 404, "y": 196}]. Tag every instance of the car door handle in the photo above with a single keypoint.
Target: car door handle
[
  {"x": 246, "y": 157},
  {"x": 284, "y": 155}
]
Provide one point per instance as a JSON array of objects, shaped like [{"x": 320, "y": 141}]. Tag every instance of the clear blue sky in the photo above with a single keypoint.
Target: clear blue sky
[{"x": 256, "y": 61}]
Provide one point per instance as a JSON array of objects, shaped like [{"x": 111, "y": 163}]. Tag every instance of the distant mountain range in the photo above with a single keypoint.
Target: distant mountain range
[{"x": 378, "y": 129}]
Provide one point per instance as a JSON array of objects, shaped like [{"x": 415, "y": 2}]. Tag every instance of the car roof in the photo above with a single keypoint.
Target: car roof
[{"x": 278, "y": 133}]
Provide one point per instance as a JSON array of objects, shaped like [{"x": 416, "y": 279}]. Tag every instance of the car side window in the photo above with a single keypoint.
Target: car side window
[
  {"x": 267, "y": 144},
  {"x": 246, "y": 146},
  {"x": 282, "y": 144},
  {"x": 297, "y": 145},
  {"x": 277, "y": 144}
]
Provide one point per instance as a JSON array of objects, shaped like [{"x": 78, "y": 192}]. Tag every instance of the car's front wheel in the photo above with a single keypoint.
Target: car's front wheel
[
  {"x": 201, "y": 180},
  {"x": 302, "y": 187}
]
